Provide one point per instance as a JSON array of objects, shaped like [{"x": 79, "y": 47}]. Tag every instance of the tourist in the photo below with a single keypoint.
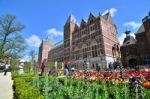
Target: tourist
[
  {"x": 52, "y": 72},
  {"x": 66, "y": 70},
  {"x": 110, "y": 67},
  {"x": 98, "y": 68},
  {"x": 6, "y": 69}
]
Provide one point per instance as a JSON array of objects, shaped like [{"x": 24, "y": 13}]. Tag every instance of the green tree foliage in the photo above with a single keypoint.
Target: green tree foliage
[
  {"x": 27, "y": 66},
  {"x": 11, "y": 42},
  {"x": 32, "y": 54}
]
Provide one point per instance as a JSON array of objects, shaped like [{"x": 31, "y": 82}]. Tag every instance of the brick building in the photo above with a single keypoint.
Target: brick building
[
  {"x": 44, "y": 48},
  {"x": 90, "y": 42},
  {"x": 136, "y": 51},
  {"x": 56, "y": 53}
]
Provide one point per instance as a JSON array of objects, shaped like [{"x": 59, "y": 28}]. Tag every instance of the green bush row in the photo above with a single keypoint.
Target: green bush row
[
  {"x": 25, "y": 75},
  {"x": 23, "y": 88}
]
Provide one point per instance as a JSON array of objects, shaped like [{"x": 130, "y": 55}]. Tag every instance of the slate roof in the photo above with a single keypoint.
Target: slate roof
[
  {"x": 71, "y": 18},
  {"x": 129, "y": 40},
  {"x": 141, "y": 29}
]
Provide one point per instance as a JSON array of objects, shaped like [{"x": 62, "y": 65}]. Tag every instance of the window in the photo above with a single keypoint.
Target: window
[
  {"x": 94, "y": 51},
  {"x": 146, "y": 60},
  {"x": 91, "y": 21},
  {"x": 85, "y": 52}
]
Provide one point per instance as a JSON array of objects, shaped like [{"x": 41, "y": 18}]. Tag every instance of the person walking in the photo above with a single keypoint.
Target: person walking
[{"x": 6, "y": 69}]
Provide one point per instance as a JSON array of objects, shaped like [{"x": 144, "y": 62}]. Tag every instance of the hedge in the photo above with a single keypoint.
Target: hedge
[{"x": 23, "y": 88}]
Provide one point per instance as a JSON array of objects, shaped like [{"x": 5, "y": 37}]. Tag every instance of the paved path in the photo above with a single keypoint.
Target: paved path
[{"x": 6, "y": 91}]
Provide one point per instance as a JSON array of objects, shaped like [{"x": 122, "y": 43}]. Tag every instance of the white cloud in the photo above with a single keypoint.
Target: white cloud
[
  {"x": 113, "y": 11},
  {"x": 54, "y": 33},
  {"x": 122, "y": 37},
  {"x": 132, "y": 24},
  {"x": 26, "y": 58},
  {"x": 34, "y": 41}
]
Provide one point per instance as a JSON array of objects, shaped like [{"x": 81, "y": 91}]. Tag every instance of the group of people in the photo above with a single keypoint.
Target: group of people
[
  {"x": 67, "y": 69},
  {"x": 114, "y": 65}
]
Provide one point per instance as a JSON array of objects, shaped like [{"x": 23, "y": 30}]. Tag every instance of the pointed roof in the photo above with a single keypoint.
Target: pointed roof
[
  {"x": 71, "y": 18},
  {"x": 129, "y": 39},
  {"x": 105, "y": 16},
  {"x": 141, "y": 29},
  {"x": 82, "y": 22},
  {"x": 91, "y": 17}
]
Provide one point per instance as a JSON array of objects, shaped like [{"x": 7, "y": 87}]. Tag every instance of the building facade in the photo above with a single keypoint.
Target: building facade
[
  {"x": 56, "y": 53},
  {"x": 90, "y": 42},
  {"x": 44, "y": 48},
  {"x": 136, "y": 51}
]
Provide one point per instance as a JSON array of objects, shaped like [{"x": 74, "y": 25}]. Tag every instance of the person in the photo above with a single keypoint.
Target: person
[
  {"x": 52, "y": 72},
  {"x": 98, "y": 68},
  {"x": 6, "y": 69},
  {"x": 43, "y": 67},
  {"x": 66, "y": 70},
  {"x": 72, "y": 70}
]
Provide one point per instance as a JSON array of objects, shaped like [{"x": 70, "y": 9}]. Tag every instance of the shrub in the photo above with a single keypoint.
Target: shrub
[{"x": 23, "y": 88}]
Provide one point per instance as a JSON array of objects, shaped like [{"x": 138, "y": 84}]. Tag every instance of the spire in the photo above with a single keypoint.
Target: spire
[{"x": 71, "y": 18}]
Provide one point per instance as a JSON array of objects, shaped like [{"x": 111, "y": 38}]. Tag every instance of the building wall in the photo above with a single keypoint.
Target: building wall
[
  {"x": 56, "y": 54},
  {"x": 140, "y": 51},
  {"x": 91, "y": 42},
  {"x": 69, "y": 28},
  {"x": 110, "y": 37},
  {"x": 43, "y": 50}
]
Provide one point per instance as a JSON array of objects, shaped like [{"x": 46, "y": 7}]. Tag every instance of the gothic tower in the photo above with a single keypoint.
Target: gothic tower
[{"x": 69, "y": 28}]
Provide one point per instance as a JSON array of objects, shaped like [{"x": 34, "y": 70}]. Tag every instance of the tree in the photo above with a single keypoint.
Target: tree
[
  {"x": 11, "y": 42},
  {"x": 27, "y": 66},
  {"x": 33, "y": 63}
]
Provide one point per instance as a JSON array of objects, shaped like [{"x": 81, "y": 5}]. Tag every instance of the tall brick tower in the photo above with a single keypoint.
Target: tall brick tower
[
  {"x": 69, "y": 28},
  {"x": 44, "y": 48}
]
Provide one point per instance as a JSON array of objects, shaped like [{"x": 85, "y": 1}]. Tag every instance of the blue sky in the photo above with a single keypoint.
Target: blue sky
[{"x": 43, "y": 17}]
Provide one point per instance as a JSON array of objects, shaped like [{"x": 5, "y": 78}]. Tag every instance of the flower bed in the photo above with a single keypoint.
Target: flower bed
[
  {"x": 76, "y": 87},
  {"x": 72, "y": 88}
]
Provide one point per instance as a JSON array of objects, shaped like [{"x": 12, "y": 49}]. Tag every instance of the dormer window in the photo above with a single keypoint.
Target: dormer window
[{"x": 91, "y": 21}]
